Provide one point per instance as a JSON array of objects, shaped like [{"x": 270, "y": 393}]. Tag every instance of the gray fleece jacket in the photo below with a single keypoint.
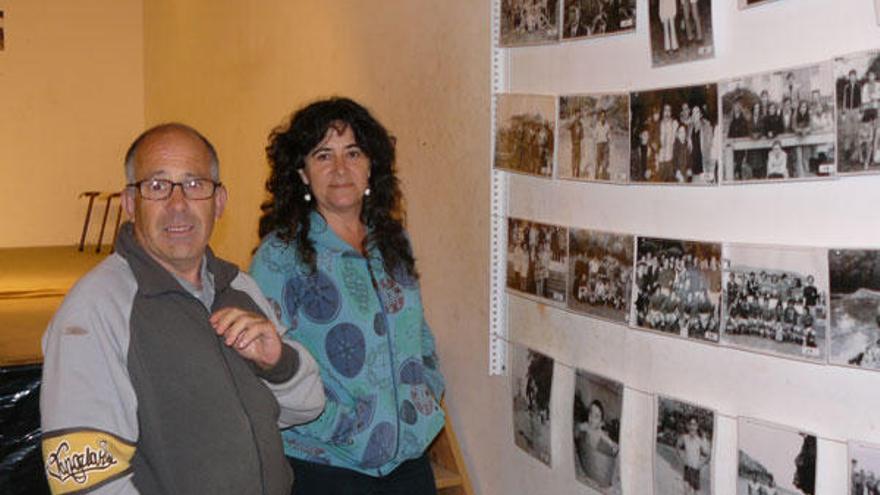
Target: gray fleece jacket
[{"x": 140, "y": 396}]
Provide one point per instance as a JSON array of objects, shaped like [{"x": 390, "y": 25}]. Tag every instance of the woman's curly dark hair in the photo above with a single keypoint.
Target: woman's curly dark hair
[{"x": 286, "y": 212}]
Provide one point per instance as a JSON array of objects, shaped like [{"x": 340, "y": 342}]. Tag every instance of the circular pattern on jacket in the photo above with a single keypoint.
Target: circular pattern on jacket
[
  {"x": 346, "y": 349},
  {"x": 380, "y": 324},
  {"x": 316, "y": 294},
  {"x": 423, "y": 399},
  {"x": 408, "y": 412},
  {"x": 357, "y": 284},
  {"x": 380, "y": 446},
  {"x": 392, "y": 295},
  {"x": 412, "y": 372}
]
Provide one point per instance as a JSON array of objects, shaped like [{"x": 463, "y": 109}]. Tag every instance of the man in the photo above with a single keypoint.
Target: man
[
  {"x": 164, "y": 370},
  {"x": 694, "y": 452},
  {"x": 602, "y": 134},
  {"x": 576, "y": 128}
]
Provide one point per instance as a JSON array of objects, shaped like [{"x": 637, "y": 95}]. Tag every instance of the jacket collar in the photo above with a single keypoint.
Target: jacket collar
[
  {"x": 322, "y": 235},
  {"x": 153, "y": 278}
]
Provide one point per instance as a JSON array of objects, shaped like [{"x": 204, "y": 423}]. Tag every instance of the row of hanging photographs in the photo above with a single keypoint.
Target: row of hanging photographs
[
  {"x": 815, "y": 122},
  {"x": 679, "y": 31},
  {"x": 807, "y": 303},
  {"x": 772, "y": 459}
]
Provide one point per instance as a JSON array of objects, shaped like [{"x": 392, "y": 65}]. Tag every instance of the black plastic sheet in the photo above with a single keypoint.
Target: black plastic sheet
[{"x": 21, "y": 465}]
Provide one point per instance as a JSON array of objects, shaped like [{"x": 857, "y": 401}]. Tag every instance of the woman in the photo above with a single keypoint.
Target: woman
[
  {"x": 777, "y": 162},
  {"x": 335, "y": 259},
  {"x": 667, "y": 12}
]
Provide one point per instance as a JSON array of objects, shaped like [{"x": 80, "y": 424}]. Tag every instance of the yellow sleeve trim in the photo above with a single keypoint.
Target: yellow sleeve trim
[{"x": 80, "y": 460}]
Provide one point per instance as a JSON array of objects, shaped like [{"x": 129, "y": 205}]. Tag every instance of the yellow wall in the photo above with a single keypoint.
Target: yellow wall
[
  {"x": 71, "y": 97},
  {"x": 236, "y": 69}
]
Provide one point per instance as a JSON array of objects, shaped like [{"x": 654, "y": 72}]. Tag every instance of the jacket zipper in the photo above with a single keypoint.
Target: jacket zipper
[{"x": 391, "y": 358}]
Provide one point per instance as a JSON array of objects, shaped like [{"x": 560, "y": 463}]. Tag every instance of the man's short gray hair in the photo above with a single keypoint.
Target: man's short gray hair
[{"x": 131, "y": 154}]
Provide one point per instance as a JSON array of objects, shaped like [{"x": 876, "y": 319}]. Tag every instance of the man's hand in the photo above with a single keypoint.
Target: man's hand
[{"x": 251, "y": 335}]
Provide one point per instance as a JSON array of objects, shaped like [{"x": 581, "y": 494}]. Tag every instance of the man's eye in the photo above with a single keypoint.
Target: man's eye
[{"x": 157, "y": 185}]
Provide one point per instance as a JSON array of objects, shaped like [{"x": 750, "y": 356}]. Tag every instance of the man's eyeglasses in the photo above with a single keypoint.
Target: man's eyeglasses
[{"x": 159, "y": 189}]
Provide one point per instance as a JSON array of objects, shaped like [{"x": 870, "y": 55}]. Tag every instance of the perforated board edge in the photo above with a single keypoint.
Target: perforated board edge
[{"x": 498, "y": 224}]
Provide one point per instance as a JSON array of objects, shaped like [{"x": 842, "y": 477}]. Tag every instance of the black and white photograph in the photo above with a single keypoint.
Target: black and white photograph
[
  {"x": 524, "y": 134},
  {"x": 864, "y": 468},
  {"x": 683, "y": 448},
  {"x": 744, "y": 4},
  {"x": 857, "y": 81},
  {"x": 680, "y": 31},
  {"x": 529, "y": 22},
  {"x": 600, "y": 273},
  {"x": 532, "y": 376},
  {"x": 855, "y": 307},
  {"x": 598, "y": 408},
  {"x": 591, "y": 18},
  {"x": 774, "y": 459},
  {"x": 877, "y": 10},
  {"x": 678, "y": 288},
  {"x": 779, "y": 125},
  {"x": 675, "y": 137},
  {"x": 776, "y": 300},
  {"x": 537, "y": 259},
  {"x": 594, "y": 138}
]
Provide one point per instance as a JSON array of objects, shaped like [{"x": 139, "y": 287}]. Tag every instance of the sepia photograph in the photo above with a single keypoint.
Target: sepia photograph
[
  {"x": 537, "y": 259},
  {"x": 524, "y": 134},
  {"x": 532, "y": 376},
  {"x": 675, "y": 137},
  {"x": 600, "y": 273},
  {"x": 855, "y": 307},
  {"x": 776, "y": 300},
  {"x": 779, "y": 125},
  {"x": 529, "y": 22},
  {"x": 592, "y": 18},
  {"x": 680, "y": 31},
  {"x": 857, "y": 82},
  {"x": 678, "y": 288},
  {"x": 598, "y": 407},
  {"x": 594, "y": 138},
  {"x": 864, "y": 468},
  {"x": 744, "y": 4},
  {"x": 774, "y": 460},
  {"x": 683, "y": 448}
]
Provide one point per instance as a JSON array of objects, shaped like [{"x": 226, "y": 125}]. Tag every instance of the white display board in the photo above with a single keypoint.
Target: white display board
[{"x": 836, "y": 403}]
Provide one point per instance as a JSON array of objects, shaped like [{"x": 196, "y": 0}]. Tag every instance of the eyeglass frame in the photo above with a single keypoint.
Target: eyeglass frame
[{"x": 137, "y": 187}]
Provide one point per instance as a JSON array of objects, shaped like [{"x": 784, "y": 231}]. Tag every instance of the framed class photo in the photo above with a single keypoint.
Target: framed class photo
[
  {"x": 857, "y": 84},
  {"x": 600, "y": 273},
  {"x": 855, "y": 307},
  {"x": 592, "y": 18},
  {"x": 680, "y": 31},
  {"x": 537, "y": 259},
  {"x": 596, "y": 427},
  {"x": 776, "y": 300},
  {"x": 864, "y": 468},
  {"x": 594, "y": 138},
  {"x": 677, "y": 287},
  {"x": 532, "y": 380},
  {"x": 524, "y": 134},
  {"x": 779, "y": 125},
  {"x": 674, "y": 135},
  {"x": 774, "y": 459},
  {"x": 683, "y": 448},
  {"x": 529, "y": 22}
]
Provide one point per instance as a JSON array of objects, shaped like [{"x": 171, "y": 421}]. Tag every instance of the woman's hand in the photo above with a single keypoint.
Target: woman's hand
[{"x": 251, "y": 335}]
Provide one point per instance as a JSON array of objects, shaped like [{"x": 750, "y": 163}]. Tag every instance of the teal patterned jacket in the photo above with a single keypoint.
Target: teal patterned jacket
[{"x": 376, "y": 353}]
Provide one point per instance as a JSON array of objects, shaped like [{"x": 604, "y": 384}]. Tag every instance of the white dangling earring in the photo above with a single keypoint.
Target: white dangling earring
[
  {"x": 367, "y": 191},
  {"x": 307, "y": 196}
]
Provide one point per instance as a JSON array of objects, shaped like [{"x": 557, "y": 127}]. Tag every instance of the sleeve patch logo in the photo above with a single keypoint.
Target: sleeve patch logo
[{"x": 76, "y": 460}]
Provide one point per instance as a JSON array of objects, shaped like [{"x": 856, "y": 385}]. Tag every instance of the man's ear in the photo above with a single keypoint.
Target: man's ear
[
  {"x": 128, "y": 197},
  {"x": 220, "y": 198}
]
